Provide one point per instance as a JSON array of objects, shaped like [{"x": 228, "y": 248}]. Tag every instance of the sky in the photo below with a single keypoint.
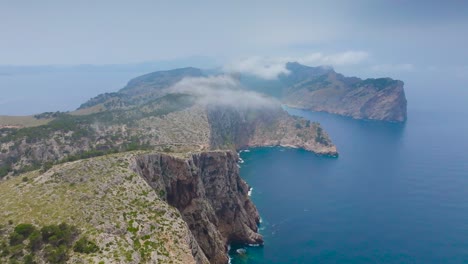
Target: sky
[
  {"x": 393, "y": 32},
  {"x": 366, "y": 38}
]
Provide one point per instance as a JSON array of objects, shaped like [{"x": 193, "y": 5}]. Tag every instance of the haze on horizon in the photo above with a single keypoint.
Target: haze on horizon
[{"x": 416, "y": 41}]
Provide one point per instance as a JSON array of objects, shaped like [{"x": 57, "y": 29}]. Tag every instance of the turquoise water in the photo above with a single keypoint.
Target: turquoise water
[{"x": 397, "y": 194}]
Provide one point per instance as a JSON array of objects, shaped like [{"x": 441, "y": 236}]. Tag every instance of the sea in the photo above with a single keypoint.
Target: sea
[
  {"x": 397, "y": 193},
  {"x": 34, "y": 93}
]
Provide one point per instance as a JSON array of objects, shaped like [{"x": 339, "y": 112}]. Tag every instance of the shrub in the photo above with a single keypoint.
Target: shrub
[
  {"x": 56, "y": 255},
  {"x": 85, "y": 246},
  {"x": 35, "y": 241},
  {"x": 25, "y": 229},
  {"x": 29, "y": 259},
  {"x": 16, "y": 251},
  {"x": 16, "y": 239},
  {"x": 46, "y": 166},
  {"x": 57, "y": 235}
]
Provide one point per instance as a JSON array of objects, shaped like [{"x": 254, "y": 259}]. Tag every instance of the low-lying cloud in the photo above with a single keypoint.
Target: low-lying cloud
[
  {"x": 270, "y": 68},
  {"x": 222, "y": 90}
]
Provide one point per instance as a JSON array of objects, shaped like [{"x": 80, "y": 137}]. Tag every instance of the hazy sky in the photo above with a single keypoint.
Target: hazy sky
[
  {"x": 394, "y": 33},
  {"x": 424, "y": 43}
]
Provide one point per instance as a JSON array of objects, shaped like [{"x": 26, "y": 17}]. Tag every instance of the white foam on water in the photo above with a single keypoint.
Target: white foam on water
[
  {"x": 250, "y": 191},
  {"x": 253, "y": 245}
]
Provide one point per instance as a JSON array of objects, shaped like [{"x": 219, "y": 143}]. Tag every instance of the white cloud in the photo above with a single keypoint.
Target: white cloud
[
  {"x": 266, "y": 68},
  {"x": 270, "y": 68},
  {"x": 223, "y": 90}
]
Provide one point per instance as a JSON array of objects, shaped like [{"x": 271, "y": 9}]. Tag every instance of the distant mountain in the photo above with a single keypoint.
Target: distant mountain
[
  {"x": 141, "y": 89},
  {"x": 149, "y": 83},
  {"x": 323, "y": 89}
]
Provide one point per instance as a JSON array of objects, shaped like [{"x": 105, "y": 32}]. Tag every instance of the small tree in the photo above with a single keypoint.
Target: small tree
[
  {"x": 83, "y": 245},
  {"x": 25, "y": 229}
]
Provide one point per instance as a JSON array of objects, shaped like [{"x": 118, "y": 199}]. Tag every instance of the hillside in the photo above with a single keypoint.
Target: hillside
[
  {"x": 165, "y": 121},
  {"x": 137, "y": 207},
  {"x": 322, "y": 89},
  {"x": 108, "y": 202}
]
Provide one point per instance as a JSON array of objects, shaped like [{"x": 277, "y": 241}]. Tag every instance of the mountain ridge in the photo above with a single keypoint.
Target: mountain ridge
[{"x": 324, "y": 90}]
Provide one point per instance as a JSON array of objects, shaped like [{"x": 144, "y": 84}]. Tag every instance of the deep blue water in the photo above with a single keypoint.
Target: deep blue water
[{"x": 396, "y": 194}]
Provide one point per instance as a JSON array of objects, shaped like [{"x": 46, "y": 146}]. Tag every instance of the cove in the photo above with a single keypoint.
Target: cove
[{"x": 398, "y": 193}]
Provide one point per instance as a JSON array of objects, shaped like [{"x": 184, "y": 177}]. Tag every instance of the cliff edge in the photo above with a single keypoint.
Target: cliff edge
[{"x": 209, "y": 193}]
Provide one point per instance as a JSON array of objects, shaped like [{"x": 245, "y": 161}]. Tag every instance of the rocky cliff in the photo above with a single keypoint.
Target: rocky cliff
[
  {"x": 174, "y": 122},
  {"x": 323, "y": 89},
  {"x": 209, "y": 193},
  {"x": 234, "y": 128},
  {"x": 139, "y": 207},
  {"x": 109, "y": 203}
]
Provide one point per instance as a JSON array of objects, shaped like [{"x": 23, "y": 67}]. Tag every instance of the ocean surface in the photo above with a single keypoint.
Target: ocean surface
[
  {"x": 398, "y": 193},
  {"x": 27, "y": 94}
]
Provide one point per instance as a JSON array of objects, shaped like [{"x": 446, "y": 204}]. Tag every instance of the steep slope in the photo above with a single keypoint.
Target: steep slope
[
  {"x": 174, "y": 122},
  {"x": 210, "y": 195},
  {"x": 109, "y": 203},
  {"x": 141, "y": 208},
  {"x": 322, "y": 89},
  {"x": 234, "y": 128},
  {"x": 139, "y": 90}
]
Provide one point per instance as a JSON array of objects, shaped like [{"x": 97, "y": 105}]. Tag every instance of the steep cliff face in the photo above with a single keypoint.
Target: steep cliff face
[
  {"x": 241, "y": 128},
  {"x": 328, "y": 91},
  {"x": 323, "y": 89},
  {"x": 364, "y": 101},
  {"x": 209, "y": 193},
  {"x": 109, "y": 203}
]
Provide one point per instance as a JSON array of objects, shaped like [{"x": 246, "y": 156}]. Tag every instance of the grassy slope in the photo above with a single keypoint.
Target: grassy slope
[
  {"x": 108, "y": 202},
  {"x": 22, "y": 121}
]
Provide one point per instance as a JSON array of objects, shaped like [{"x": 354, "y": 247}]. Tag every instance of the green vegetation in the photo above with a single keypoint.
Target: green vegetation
[
  {"x": 4, "y": 170},
  {"x": 48, "y": 115},
  {"x": 320, "y": 138},
  {"x": 83, "y": 245},
  {"x": 77, "y": 130},
  {"x": 64, "y": 123},
  {"x": 96, "y": 153},
  {"x": 100, "y": 99},
  {"x": 378, "y": 84},
  {"x": 26, "y": 240},
  {"x": 25, "y": 229}
]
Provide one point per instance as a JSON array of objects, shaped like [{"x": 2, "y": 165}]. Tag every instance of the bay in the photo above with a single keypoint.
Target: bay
[{"x": 398, "y": 193}]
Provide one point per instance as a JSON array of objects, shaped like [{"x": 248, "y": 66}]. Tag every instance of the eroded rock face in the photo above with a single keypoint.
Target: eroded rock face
[
  {"x": 327, "y": 91},
  {"x": 241, "y": 128},
  {"x": 209, "y": 193},
  {"x": 366, "y": 102}
]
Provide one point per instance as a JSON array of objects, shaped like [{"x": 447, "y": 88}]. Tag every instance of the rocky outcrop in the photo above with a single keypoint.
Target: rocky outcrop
[
  {"x": 241, "y": 128},
  {"x": 209, "y": 193},
  {"x": 375, "y": 99},
  {"x": 109, "y": 203},
  {"x": 323, "y": 89},
  {"x": 366, "y": 102}
]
